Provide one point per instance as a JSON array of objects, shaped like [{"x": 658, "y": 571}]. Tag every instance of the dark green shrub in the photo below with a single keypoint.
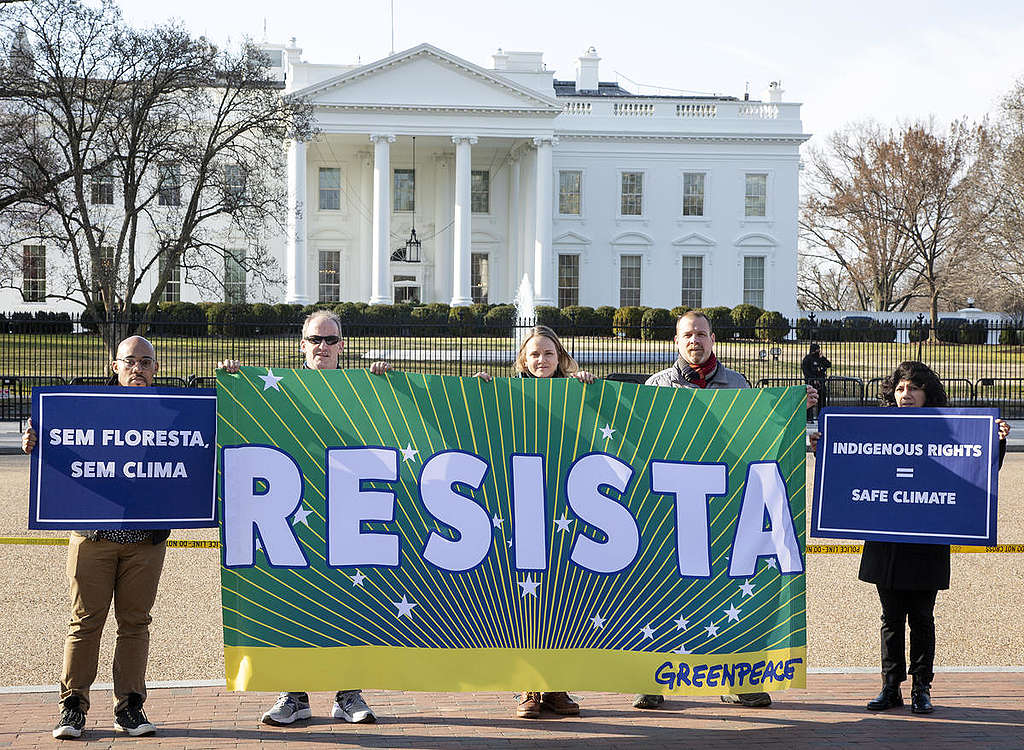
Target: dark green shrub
[
  {"x": 580, "y": 320},
  {"x": 975, "y": 332},
  {"x": 604, "y": 317},
  {"x": 919, "y": 331},
  {"x": 857, "y": 328},
  {"x": 461, "y": 320},
  {"x": 552, "y": 318},
  {"x": 803, "y": 329},
  {"x": 628, "y": 321},
  {"x": 352, "y": 317},
  {"x": 215, "y": 318},
  {"x": 657, "y": 324},
  {"x": 744, "y": 318},
  {"x": 182, "y": 319},
  {"x": 721, "y": 321},
  {"x": 238, "y": 321},
  {"x": 679, "y": 311},
  {"x": 500, "y": 319},
  {"x": 1008, "y": 337},
  {"x": 772, "y": 326},
  {"x": 883, "y": 331},
  {"x": 264, "y": 319}
]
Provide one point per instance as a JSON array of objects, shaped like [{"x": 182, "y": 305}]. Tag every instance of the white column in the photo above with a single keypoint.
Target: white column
[
  {"x": 461, "y": 293},
  {"x": 515, "y": 272},
  {"x": 365, "y": 263},
  {"x": 380, "y": 275},
  {"x": 542, "y": 281},
  {"x": 442, "y": 228},
  {"x": 295, "y": 253}
]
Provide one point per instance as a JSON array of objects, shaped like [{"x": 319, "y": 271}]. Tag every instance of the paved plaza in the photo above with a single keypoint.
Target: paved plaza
[{"x": 978, "y": 692}]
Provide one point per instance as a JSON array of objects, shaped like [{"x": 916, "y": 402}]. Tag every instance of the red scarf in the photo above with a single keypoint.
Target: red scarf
[{"x": 698, "y": 375}]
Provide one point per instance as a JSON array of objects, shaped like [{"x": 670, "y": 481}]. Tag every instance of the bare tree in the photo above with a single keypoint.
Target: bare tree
[
  {"x": 175, "y": 150},
  {"x": 1005, "y": 240},
  {"x": 899, "y": 214},
  {"x": 942, "y": 178},
  {"x": 851, "y": 218}
]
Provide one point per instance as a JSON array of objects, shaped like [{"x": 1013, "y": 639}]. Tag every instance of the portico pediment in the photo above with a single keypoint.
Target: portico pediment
[{"x": 427, "y": 78}]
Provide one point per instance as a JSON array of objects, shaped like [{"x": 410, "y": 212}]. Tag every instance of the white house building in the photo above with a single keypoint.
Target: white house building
[{"x": 598, "y": 195}]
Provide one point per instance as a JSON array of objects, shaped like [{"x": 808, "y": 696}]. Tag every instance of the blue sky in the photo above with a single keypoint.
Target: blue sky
[{"x": 844, "y": 61}]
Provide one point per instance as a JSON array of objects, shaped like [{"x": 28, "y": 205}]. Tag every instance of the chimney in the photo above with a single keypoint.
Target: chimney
[
  {"x": 500, "y": 60},
  {"x": 586, "y": 71},
  {"x": 773, "y": 94}
]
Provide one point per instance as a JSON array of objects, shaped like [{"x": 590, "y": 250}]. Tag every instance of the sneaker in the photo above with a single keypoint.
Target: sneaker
[
  {"x": 648, "y": 701},
  {"x": 289, "y": 707},
  {"x": 350, "y": 706},
  {"x": 132, "y": 719},
  {"x": 560, "y": 703},
  {"x": 750, "y": 700},
  {"x": 72, "y": 719},
  {"x": 529, "y": 706}
]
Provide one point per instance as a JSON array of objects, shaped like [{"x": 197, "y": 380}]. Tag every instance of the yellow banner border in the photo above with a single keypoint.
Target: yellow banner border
[{"x": 463, "y": 670}]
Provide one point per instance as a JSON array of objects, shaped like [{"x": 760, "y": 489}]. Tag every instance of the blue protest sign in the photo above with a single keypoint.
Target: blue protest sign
[
  {"x": 123, "y": 458},
  {"x": 907, "y": 475}
]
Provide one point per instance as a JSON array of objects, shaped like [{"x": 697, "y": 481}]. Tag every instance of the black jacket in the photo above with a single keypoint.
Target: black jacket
[{"x": 902, "y": 565}]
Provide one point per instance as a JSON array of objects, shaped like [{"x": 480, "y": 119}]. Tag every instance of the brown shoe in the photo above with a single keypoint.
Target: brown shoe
[
  {"x": 560, "y": 703},
  {"x": 529, "y": 706}
]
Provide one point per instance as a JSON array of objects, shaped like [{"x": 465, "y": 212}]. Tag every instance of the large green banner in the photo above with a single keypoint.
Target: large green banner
[{"x": 438, "y": 533}]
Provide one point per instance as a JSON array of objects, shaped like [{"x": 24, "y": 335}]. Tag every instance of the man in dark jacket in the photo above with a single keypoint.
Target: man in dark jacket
[
  {"x": 815, "y": 366},
  {"x": 698, "y": 367},
  {"x": 119, "y": 565}
]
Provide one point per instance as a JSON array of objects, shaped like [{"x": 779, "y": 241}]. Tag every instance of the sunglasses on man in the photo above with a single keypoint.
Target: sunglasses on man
[{"x": 317, "y": 340}]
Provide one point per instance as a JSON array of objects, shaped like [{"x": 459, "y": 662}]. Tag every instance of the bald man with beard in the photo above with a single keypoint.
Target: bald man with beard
[{"x": 122, "y": 566}]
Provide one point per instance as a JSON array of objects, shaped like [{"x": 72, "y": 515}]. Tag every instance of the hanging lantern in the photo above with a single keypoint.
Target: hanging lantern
[{"x": 413, "y": 244}]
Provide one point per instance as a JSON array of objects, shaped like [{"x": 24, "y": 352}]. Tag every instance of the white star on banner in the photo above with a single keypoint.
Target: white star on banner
[
  {"x": 747, "y": 588},
  {"x": 258, "y": 545},
  {"x": 404, "y": 607},
  {"x": 733, "y": 612},
  {"x": 647, "y": 632},
  {"x": 408, "y": 452},
  {"x": 607, "y": 431},
  {"x": 563, "y": 522},
  {"x": 682, "y": 649},
  {"x": 509, "y": 543},
  {"x": 712, "y": 630},
  {"x": 497, "y": 521},
  {"x": 597, "y": 621},
  {"x": 772, "y": 562},
  {"x": 270, "y": 380},
  {"x": 300, "y": 516},
  {"x": 358, "y": 579},
  {"x": 529, "y": 587},
  {"x": 682, "y": 623}
]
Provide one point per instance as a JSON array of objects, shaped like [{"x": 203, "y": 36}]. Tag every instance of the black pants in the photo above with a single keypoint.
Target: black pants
[{"x": 898, "y": 607}]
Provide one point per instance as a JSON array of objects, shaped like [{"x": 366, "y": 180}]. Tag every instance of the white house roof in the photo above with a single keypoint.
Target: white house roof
[{"x": 427, "y": 78}]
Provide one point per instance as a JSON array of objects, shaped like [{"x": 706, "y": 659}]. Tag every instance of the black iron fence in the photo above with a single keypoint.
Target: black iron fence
[{"x": 988, "y": 370}]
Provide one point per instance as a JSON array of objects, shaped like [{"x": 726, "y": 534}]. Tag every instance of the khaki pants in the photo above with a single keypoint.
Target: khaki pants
[{"x": 101, "y": 571}]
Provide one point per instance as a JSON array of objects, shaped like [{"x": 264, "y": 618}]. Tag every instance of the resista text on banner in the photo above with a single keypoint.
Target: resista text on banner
[{"x": 438, "y": 533}]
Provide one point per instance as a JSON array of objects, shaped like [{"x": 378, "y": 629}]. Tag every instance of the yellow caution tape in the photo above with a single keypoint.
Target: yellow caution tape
[{"x": 812, "y": 549}]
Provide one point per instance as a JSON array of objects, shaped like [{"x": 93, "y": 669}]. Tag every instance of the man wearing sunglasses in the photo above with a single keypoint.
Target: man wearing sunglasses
[
  {"x": 119, "y": 565},
  {"x": 321, "y": 344}
]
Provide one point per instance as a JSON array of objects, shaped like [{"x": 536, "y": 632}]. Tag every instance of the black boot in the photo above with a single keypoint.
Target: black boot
[
  {"x": 890, "y": 697},
  {"x": 921, "y": 698}
]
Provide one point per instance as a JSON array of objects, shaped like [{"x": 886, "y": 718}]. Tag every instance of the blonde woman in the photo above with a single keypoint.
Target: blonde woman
[{"x": 542, "y": 355}]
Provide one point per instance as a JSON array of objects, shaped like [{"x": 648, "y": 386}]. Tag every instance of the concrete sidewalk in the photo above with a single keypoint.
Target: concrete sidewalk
[{"x": 984, "y": 710}]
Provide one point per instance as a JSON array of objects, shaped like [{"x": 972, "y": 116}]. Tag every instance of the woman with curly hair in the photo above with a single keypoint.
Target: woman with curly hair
[
  {"x": 909, "y": 576},
  {"x": 541, "y": 355}
]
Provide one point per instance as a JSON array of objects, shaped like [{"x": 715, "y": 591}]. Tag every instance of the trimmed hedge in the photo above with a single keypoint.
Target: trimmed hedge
[
  {"x": 436, "y": 318},
  {"x": 627, "y": 322},
  {"x": 772, "y": 327},
  {"x": 657, "y": 324}
]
